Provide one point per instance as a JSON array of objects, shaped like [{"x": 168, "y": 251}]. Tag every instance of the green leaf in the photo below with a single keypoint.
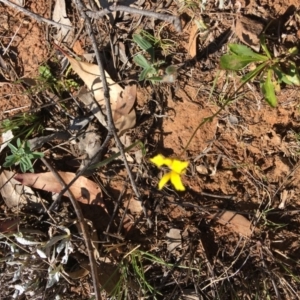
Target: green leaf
[
  {"x": 19, "y": 144},
  {"x": 155, "y": 78},
  {"x": 144, "y": 74},
  {"x": 264, "y": 46},
  {"x": 268, "y": 90},
  {"x": 234, "y": 62},
  {"x": 292, "y": 75},
  {"x": 45, "y": 72},
  {"x": 37, "y": 155},
  {"x": 9, "y": 161},
  {"x": 144, "y": 44},
  {"x": 12, "y": 148},
  {"x": 293, "y": 51},
  {"x": 242, "y": 50},
  {"x": 249, "y": 76},
  {"x": 141, "y": 61}
]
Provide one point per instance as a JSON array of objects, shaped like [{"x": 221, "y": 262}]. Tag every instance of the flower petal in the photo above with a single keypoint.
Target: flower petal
[
  {"x": 179, "y": 166},
  {"x": 176, "y": 181},
  {"x": 164, "y": 180},
  {"x": 158, "y": 160}
]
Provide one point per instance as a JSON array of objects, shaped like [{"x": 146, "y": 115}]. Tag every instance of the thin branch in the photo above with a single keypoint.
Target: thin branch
[
  {"x": 110, "y": 122},
  {"x": 34, "y": 16},
  {"x": 164, "y": 17},
  {"x": 83, "y": 227}
]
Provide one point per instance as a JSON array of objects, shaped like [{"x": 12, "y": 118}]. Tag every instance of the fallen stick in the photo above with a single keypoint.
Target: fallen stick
[{"x": 168, "y": 18}]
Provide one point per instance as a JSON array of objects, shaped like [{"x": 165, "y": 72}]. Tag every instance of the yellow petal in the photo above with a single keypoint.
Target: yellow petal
[
  {"x": 179, "y": 166},
  {"x": 164, "y": 180},
  {"x": 158, "y": 160},
  {"x": 176, "y": 181}
]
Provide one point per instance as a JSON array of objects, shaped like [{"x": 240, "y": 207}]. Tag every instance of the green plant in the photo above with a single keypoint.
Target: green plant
[
  {"x": 24, "y": 123},
  {"x": 157, "y": 41},
  {"x": 272, "y": 71},
  {"x": 192, "y": 5},
  {"x": 46, "y": 80},
  {"x": 21, "y": 155},
  {"x": 150, "y": 67},
  {"x": 134, "y": 266}
]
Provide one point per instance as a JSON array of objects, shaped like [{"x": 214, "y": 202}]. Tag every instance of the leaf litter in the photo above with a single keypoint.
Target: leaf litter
[
  {"x": 245, "y": 144},
  {"x": 83, "y": 189}
]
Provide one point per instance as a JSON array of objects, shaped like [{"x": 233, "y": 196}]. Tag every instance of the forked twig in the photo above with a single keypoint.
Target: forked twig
[
  {"x": 168, "y": 18},
  {"x": 33, "y": 15}
]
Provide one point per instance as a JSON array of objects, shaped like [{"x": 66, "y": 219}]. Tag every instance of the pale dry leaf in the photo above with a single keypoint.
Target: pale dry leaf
[
  {"x": 122, "y": 101},
  {"x": 7, "y": 136},
  {"x": 234, "y": 221},
  {"x": 125, "y": 122},
  {"x": 202, "y": 169},
  {"x": 89, "y": 145},
  {"x": 60, "y": 16},
  {"x": 87, "y": 99},
  {"x": 90, "y": 74},
  {"x": 12, "y": 192},
  {"x": 123, "y": 112},
  {"x": 135, "y": 206},
  {"x": 248, "y": 31},
  {"x": 83, "y": 189},
  {"x": 192, "y": 46},
  {"x": 173, "y": 239},
  {"x": 125, "y": 102},
  {"x": 19, "y": 2}
]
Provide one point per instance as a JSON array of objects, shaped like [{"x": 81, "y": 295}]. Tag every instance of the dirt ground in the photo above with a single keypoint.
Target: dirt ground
[{"x": 245, "y": 160}]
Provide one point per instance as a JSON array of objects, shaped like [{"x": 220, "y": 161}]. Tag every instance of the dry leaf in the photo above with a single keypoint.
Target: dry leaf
[
  {"x": 234, "y": 221},
  {"x": 192, "y": 46},
  {"x": 12, "y": 192},
  {"x": 83, "y": 189},
  {"x": 60, "y": 16},
  {"x": 248, "y": 31},
  {"x": 173, "y": 239},
  {"x": 135, "y": 206},
  {"x": 125, "y": 102},
  {"x": 6, "y": 136},
  {"x": 121, "y": 101},
  {"x": 123, "y": 113},
  {"x": 87, "y": 99},
  {"x": 77, "y": 48},
  {"x": 90, "y": 74}
]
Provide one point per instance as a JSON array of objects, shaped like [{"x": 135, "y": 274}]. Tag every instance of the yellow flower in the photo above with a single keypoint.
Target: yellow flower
[{"x": 177, "y": 168}]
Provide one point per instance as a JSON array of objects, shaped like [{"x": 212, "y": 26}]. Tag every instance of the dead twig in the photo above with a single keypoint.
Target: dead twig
[
  {"x": 110, "y": 122},
  {"x": 83, "y": 227},
  {"x": 168, "y": 18},
  {"x": 33, "y": 15}
]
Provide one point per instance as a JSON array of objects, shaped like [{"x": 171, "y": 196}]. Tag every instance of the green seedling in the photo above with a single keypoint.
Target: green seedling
[
  {"x": 150, "y": 67},
  {"x": 21, "y": 155},
  {"x": 271, "y": 71}
]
